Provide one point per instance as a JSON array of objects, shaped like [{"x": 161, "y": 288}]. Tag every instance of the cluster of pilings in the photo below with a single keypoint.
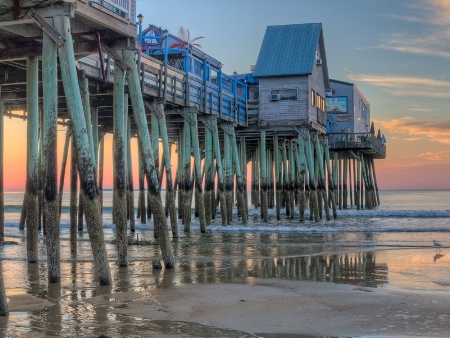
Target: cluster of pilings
[
  {"x": 285, "y": 172},
  {"x": 84, "y": 133}
]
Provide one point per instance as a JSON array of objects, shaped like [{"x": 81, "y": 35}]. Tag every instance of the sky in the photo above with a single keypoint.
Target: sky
[{"x": 396, "y": 52}]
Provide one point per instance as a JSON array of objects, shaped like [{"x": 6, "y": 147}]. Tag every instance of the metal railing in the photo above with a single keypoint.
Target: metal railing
[{"x": 356, "y": 141}]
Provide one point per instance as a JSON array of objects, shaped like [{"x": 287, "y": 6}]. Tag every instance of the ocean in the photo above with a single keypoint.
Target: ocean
[{"x": 388, "y": 247}]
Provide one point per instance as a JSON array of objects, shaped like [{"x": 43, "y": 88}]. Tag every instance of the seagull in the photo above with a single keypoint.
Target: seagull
[{"x": 437, "y": 245}]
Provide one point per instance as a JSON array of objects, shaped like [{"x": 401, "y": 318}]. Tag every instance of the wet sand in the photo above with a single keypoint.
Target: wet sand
[
  {"x": 259, "y": 308},
  {"x": 239, "y": 285}
]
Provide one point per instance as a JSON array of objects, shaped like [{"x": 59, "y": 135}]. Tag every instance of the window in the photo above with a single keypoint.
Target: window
[
  {"x": 285, "y": 94},
  {"x": 198, "y": 68},
  {"x": 313, "y": 98}
]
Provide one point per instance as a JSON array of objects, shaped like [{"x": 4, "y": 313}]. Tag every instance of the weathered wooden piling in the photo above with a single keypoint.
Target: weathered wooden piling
[
  {"x": 264, "y": 179},
  {"x": 198, "y": 172},
  {"x": 208, "y": 169},
  {"x": 331, "y": 180},
  {"x": 130, "y": 188},
  {"x": 84, "y": 159},
  {"x": 239, "y": 176},
  {"x": 49, "y": 125},
  {"x": 3, "y": 301},
  {"x": 32, "y": 207},
  {"x": 228, "y": 168},
  {"x": 120, "y": 186},
  {"x": 219, "y": 168},
  {"x": 101, "y": 158},
  {"x": 312, "y": 178},
  {"x": 73, "y": 198},
  {"x": 155, "y": 148},
  {"x": 344, "y": 183},
  {"x": 152, "y": 179},
  {"x": 278, "y": 187},
  {"x": 322, "y": 179},
  {"x": 292, "y": 179},
  {"x": 170, "y": 193},
  {"x": 186, "y": 177},
  {"x": 142, "y": 212}
]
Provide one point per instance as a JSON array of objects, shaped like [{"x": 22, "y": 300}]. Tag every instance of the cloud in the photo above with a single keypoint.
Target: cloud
[
  {"x": 435, "y": 15},
  {"x": 435, "y": 156},
  {"x": 417, "y": 129},
  {"x": 406, "y": 86}
]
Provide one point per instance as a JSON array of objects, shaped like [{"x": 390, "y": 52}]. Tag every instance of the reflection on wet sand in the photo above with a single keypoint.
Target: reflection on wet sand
[{"x": 79, "y": 307}]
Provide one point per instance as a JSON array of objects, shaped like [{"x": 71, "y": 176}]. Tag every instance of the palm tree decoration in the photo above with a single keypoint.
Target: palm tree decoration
[{"x": 184, "y": 40}]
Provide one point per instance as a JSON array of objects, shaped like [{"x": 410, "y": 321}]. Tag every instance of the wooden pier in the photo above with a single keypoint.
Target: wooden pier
[{"x": 81, "y": 64}]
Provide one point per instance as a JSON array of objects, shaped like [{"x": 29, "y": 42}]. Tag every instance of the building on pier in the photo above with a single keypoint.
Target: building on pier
[
  {"x": 293, "y": 77},
  {"x": 349, "y": 126}
]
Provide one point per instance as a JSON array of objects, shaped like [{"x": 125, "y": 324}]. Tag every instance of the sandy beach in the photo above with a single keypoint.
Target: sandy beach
[{"x": 264, "y": 307}]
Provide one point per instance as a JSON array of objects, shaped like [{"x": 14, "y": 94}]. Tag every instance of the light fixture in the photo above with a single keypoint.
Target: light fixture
[{"x": 140, "y": 18}]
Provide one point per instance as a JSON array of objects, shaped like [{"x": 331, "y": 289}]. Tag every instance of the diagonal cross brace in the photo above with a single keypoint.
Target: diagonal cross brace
[
  {"x": 46, "y": 27},
  {"x": 117, "y": 59}
]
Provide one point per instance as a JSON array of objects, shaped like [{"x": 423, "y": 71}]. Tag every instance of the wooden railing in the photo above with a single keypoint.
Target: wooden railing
[
  {"x": 357, "y": 141},
  {"x": 180, "y": 88},
  {"x": 123, "y": 8}
]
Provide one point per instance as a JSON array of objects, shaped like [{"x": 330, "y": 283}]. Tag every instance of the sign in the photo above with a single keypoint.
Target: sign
[
  {"x": 152, "y": 37},
  {"x": 336, "y": 104}
]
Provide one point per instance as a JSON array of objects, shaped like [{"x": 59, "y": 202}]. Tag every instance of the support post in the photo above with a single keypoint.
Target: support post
[
  {"x": 130, "y": 188},
  {"x": 276, "y": 155},
  {"x": 186, "y": 182},
  {"x": 152, "y": 179},
  {"x": 142, "y": 213},
  {"x": 84, "y": 159},
  {"x": 239, "y": 180},
  {"x": 312, "y": 179},
  {"x": 264, "y": 183},
  {"x": 209, "y": 178},
  {"x": 73, "y": 198},
  {"x": 170, "y": 193},
  {"x": 120, "y": 188},
  {"x": 217, "y": 155},
  {"x": 50, "y": 116},
  {"x": 228, "y": 176},
  {"x": 198, "y": 172},
  {"x": 32, "y": 207}
]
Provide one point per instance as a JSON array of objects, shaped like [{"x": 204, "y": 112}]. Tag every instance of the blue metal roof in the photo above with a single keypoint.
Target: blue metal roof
[{"x": 288, "y": 50}]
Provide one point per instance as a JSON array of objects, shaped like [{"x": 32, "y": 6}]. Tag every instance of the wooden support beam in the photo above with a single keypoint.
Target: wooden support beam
[
  {"x": 228, "y": 166},
  {"x": 208, "y": 169},
  {"x": 239, "y": 177},
  {"x": 120, "y": 188},
  {"x": 84, "y": 159},
  {"x": 50, "y": 116},
  {"x": 218, "y": 157},
  {"x": 147, "y": 158},
  {"x": 199, "y": 196},
  {"x": 264, "y": 179},
  {"x": 130, "y": 188},
  {"x": 170, "y": 193},
  {"x": 32, "y": 207},
  {"x": 73, "y": 198}
]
